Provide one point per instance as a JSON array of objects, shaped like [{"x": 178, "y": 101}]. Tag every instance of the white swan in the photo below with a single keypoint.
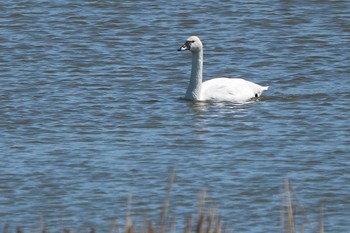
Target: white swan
[{"x": 218, "y": 89}]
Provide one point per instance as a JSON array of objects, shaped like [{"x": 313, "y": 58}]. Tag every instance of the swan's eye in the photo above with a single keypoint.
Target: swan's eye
[{"x": 190, "y": 41}]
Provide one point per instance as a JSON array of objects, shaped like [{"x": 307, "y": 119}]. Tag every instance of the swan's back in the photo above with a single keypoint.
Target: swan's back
[{"x": 230, "y": 89}]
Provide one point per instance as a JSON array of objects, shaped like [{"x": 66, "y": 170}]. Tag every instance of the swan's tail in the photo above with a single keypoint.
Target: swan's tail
[{"x": 264, "y": 88}]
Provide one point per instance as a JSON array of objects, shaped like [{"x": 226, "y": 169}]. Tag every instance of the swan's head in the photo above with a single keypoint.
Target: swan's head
[{"x": 193, "y": 43}]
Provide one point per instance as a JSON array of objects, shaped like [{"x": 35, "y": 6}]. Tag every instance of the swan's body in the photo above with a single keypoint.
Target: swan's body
[{"x": 218, "y": 89}]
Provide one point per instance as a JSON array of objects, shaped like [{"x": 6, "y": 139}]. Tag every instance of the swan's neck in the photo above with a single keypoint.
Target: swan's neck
[{"x": 194, "y": 88}]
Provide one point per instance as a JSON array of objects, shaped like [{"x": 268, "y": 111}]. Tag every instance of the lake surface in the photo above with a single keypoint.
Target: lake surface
[{"x": 91, "y": 110}]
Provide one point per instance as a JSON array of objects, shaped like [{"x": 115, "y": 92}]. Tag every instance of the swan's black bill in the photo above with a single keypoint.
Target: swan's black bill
[{"x": 186, "y": 46}]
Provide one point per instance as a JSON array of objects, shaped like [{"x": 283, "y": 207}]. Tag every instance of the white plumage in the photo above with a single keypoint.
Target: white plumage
[{"x": 219, "y": 89}]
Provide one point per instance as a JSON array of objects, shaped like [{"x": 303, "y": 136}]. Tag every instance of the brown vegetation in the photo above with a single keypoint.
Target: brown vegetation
[{"x": 207, "y": 219}]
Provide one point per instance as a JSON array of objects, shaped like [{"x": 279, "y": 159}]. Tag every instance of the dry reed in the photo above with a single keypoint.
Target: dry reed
[
  {"x": 289, "y": 209},
  {"x": 207, "y": 220}
]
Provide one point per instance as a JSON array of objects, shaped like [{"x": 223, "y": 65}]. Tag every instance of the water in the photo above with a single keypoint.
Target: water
[{"x": 91, "y": 111}]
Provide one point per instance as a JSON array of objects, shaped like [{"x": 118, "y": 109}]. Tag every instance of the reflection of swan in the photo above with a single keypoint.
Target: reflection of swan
[{"x": 218, "y": 89}]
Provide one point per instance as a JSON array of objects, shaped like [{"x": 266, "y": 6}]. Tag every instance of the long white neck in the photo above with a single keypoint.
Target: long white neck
[{"x": 194, "y": 88}]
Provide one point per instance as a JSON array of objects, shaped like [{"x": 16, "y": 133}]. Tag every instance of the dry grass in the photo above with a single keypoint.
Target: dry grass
[
  {"x": 292, "y": 210},
  {"x": 207, "y": 220}
]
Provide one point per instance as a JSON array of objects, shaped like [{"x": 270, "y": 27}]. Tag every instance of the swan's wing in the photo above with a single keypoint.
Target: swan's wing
[{"x": 227, "y": 89}]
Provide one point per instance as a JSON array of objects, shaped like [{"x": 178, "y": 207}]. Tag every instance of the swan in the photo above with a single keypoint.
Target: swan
[{"x": 218, "y": 89}]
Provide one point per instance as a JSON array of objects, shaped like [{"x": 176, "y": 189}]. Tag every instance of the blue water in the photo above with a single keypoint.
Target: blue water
[{"x": 91, "y": 111}]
